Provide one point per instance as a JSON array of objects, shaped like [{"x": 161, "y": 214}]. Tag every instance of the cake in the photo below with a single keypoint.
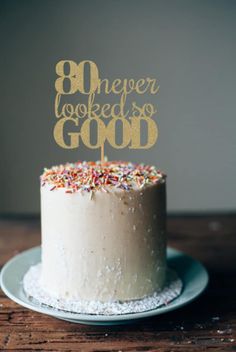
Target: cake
[{"x": 103, "y": 231}]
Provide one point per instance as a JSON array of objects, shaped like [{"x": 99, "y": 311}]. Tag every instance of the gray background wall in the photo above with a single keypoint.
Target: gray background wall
[{"x": 190, "y": 46}]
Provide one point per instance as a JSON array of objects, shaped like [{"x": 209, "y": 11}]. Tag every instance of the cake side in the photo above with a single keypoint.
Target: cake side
[{"x": 108, "y": 247}]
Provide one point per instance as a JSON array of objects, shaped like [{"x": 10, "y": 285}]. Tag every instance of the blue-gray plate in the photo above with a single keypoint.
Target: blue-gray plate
[{"x": 192, "y": 273}]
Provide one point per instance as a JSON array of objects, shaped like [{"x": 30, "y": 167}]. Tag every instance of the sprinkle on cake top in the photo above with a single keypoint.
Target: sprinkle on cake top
[{"x": 96, "y": 175}]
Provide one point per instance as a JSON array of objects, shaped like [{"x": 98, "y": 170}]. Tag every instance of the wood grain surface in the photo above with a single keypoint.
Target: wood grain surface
[{"x": 206, "y": 324}]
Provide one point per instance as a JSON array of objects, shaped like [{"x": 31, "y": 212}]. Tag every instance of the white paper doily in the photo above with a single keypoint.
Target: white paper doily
[{"x": 34, "y": 291}]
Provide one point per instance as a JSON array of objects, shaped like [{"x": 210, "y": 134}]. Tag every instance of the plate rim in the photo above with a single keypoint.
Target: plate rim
[{"x": 99, "y": 318}]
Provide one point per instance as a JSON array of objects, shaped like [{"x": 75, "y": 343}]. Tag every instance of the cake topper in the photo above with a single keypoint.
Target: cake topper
[{"x": 83, "y": 81}]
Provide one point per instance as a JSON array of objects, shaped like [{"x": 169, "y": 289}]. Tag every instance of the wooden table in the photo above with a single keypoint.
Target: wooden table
[{"x": 206, "y": 324}]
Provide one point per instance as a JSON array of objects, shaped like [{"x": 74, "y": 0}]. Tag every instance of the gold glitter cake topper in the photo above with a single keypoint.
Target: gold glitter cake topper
[{"x": 79, "y": 117}]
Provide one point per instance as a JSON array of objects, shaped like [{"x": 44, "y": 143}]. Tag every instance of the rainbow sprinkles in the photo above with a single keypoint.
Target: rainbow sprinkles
[{"x": 91, "y": 176}]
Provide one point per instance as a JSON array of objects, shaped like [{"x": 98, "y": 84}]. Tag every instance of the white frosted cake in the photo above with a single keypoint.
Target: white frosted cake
[{"x": 103, "y": 231}]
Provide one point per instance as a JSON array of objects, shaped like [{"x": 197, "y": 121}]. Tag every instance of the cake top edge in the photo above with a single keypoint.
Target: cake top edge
[{"x": 101, "y": 175}]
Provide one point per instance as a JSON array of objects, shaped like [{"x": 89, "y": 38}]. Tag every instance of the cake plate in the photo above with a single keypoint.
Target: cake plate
[{"x": 192, "y": 273}]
